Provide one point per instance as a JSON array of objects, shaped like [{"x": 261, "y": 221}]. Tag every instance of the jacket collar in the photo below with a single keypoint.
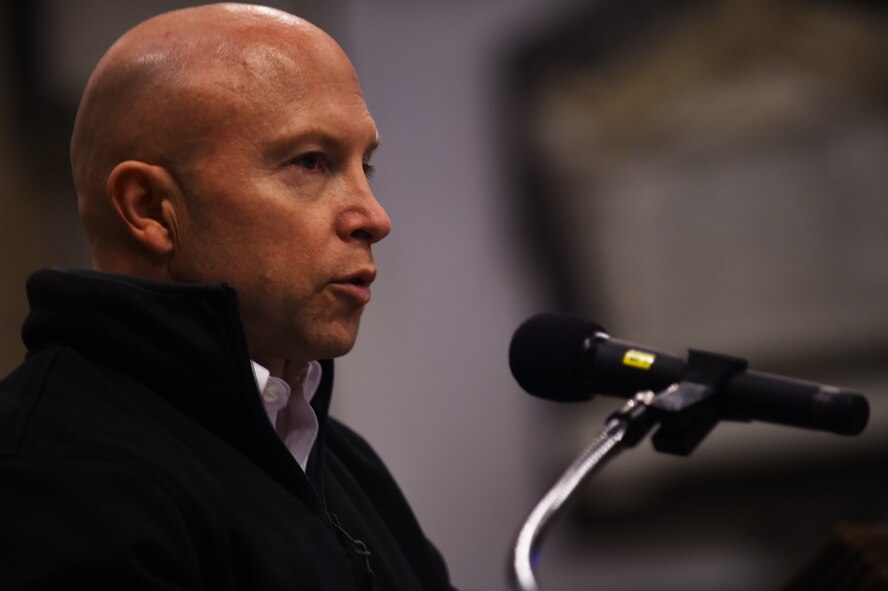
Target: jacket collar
[{"x": 184, "y": 341}]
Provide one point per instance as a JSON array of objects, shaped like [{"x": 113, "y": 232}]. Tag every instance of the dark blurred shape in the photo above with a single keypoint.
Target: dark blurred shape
[
  {"x": 42, "y": 120},
  {"x": 724, "y": 149},
  {"x": 855, "y": 559},
  {"x": 592, "y": 34}
]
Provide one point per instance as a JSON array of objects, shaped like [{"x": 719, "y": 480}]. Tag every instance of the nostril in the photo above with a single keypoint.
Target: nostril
[{"x": 362, "y": 234}]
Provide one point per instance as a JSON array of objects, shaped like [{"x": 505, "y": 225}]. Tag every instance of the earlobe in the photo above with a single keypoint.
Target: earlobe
[{"x": 142, "y": 196}]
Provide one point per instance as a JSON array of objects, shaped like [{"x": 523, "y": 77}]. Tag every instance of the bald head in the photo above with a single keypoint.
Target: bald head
[
  {"x": 164, "y": 91},
  {"x": 231, "y": 143}
]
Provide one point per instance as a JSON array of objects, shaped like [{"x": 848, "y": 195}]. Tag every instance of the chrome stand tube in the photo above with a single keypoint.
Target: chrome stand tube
[{"x": 606, "y": 445}]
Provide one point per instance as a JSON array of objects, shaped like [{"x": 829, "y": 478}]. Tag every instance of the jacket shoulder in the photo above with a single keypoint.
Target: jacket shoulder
[
  {"x": 84, "y": 498},
  {"x": 93, "y": 519},
  {"x": 20, "y": 394}
]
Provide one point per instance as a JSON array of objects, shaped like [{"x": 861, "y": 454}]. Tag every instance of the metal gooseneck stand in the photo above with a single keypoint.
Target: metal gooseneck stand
[
  {"x": 686, "y": 412},
  {"x": 608, "y": 443}
]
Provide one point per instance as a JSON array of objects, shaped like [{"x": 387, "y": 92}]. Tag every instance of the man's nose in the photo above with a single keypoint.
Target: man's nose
[{"x": 364, "y": 219}]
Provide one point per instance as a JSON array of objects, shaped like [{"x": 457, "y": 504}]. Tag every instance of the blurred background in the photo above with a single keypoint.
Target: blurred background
[{"x": 689, "y": 174}]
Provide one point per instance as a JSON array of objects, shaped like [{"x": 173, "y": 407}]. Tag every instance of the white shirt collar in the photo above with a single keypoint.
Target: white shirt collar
[{"x": 299, "y": 430}]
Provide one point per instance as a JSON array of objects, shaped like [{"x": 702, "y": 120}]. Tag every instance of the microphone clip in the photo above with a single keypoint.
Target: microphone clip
[{"x": 688, "y": 410}]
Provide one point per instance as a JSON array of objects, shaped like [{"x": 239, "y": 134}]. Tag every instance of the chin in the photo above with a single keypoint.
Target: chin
[
  {"x": 330, "y": 350},
  {"x": 335, "y": 342}
]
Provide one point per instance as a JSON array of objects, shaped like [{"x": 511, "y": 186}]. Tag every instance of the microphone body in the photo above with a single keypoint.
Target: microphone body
[{"x": 566, "y": 358}]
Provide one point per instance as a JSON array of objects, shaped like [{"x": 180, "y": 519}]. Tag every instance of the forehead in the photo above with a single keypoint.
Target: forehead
[
  {"x": 266, "y": 90},
  {"x": 262, "y": 60},
  {"x": 283, "y": 61}
]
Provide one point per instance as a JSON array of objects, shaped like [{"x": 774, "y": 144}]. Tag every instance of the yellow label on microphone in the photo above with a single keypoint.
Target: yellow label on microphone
[{"x": 639, "y": 359}]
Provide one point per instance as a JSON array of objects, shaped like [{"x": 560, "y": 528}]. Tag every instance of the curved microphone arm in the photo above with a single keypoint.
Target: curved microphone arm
[{"x": 610, "y": 441}]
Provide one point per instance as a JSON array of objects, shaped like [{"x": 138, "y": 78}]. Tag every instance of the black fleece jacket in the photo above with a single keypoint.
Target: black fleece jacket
[{"x": 135, "y": 454}]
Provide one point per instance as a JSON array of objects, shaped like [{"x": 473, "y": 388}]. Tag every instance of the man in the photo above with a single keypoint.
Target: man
[{"x": 169, "y": 429}]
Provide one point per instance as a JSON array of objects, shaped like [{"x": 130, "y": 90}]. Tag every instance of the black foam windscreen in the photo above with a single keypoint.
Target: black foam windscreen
[{"x": 546, "y": 355}]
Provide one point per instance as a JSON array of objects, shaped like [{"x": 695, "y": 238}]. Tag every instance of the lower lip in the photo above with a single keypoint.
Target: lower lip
[{"x": 359, "y": 293}]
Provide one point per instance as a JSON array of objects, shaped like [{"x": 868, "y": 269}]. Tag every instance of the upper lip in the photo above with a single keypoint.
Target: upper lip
[{"x": 363, "y": 277}]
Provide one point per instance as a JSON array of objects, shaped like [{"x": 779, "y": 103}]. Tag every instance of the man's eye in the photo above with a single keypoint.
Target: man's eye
[
  {"x": 309, "y": 161},
  {"x": 369, "y": 171}
]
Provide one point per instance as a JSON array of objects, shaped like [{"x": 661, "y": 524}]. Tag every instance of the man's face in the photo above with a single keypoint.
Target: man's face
[{"x": 279, "y": 204}]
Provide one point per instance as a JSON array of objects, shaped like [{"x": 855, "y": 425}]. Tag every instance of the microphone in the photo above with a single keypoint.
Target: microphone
[{"x": 568, "y": 359}]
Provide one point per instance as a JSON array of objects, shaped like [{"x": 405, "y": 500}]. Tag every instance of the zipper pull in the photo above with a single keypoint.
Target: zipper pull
[{"x": 359, "y": 548}]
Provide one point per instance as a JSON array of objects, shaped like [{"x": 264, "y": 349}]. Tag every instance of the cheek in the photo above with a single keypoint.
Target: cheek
[
  {"x": 284, "y": 261},
  {"x": 222, "y": 249},
  {"x": 295, "y": 236},
  {"x": 263, "y": 231}
]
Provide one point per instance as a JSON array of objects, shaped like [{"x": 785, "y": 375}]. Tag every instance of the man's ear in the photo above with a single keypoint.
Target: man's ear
[{"x": 144, "y": 197}]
